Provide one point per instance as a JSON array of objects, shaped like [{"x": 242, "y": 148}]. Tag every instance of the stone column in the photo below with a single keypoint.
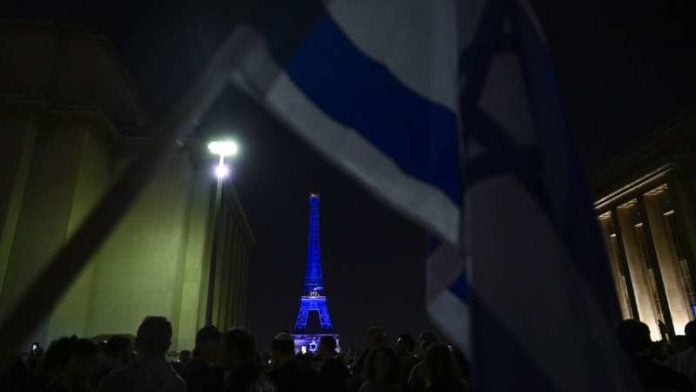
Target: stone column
[
  {"x": 610, "y": 239},
  {"x": 638, "y": 269},
  {"x": 657, "y": 205}
]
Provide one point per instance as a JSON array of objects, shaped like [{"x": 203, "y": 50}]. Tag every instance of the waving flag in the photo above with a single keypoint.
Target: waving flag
[{"x": 448, "y": 111}]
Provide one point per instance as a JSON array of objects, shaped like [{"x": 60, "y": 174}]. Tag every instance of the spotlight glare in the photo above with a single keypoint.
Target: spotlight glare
[
  {"x": 222, "y": 171},
  {"x": 224, "y": 148}
]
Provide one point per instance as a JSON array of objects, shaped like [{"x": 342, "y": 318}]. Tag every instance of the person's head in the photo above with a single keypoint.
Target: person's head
[
  {"x": 376, "y": 337},
  {"x": 238, "y": 347},
  {"x": 14, "y": 375},
  {"x": 35, "y": 359},
  {"x": 154, "y": 337},
  {"x": 327, "y": 346},
  {"x": 405, "y": 344},
  {"x": 208, "y": 343},
  {"x": 690, "y": 332},
  {"x": 83, "y": 356},
  {"x": 282, "y": 348},
  {"x": 440, "y": 365},
  {"x": 634, "y": 337},
  {"x": 119, "y": 347},
  {"x": 679, "y": 343},
  {"x": 425, "y": 341},
  {"x": 184, "y": 357},
  {"x": 381, "y": 366},
  {"x": 57, "y": 356},
  {"x": 462, "y": 362}
]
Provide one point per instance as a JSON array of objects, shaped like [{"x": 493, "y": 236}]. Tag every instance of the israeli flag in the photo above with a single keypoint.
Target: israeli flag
[{"x": 448, "y": 111}]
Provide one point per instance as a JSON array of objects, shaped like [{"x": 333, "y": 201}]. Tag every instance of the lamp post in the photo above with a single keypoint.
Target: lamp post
[{"x": 221, "y": 148}]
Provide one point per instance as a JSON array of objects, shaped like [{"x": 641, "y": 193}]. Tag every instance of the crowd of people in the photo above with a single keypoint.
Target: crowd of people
[{"x": 231, "y": 362}]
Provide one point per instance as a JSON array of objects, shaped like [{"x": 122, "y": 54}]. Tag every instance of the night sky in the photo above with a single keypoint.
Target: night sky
[{"x": 624, "y": 69}]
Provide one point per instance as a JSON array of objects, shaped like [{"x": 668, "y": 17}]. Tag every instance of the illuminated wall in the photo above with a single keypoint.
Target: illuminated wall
[
  {"x": 61, "y": 150},
  {"x": 646, "y": 205},
  {"x": 646, "y": 227},
  {"x": 155, "y": 262}
]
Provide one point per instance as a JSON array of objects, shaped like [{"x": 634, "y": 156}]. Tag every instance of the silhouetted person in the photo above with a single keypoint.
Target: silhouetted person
[
  {"x": 149, "y": 371},
  {"x": 425, "y": 341},
  {"x": 634, "y": 336},
  {"x": 333, "y": 374},
  {"x": 15, "y": 376},
  {"x": 405, "y": 346},
  {"x": 35, "y": 358},
  {"x": 442, "y": 371},
  {"x": 76, "y": 374},
  {"x": 417, "y": 379},
  {"x": 462, "y": 363},
  {"x": 288, "y": 373},
  {"x": 182, "y": 360},
  {"x": 685, "y": 361},
  {"x": 116, "y": 354},
  {"x": 679, "y": 344},
  {"x": 382, "y": 371},
  {"x": 200, "y": 374},
  {"x": 374, "y": 337},
  {"x": 55, "y": 359},
  {"x": 244, "y": 370}
]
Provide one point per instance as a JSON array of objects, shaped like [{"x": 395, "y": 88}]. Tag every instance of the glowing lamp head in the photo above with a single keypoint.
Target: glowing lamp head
[
  {"x": 222, "y": 171},
  {"x": 224, "y": 148}
]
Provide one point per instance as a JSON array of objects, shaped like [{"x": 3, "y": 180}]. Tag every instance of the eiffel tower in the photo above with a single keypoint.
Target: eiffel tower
[{"x": 308, "y": 329}]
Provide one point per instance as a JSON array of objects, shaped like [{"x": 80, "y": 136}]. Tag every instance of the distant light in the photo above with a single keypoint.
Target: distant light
[
  {"x": 222, "y": 171},
  {"x": 224, "y": 148}
]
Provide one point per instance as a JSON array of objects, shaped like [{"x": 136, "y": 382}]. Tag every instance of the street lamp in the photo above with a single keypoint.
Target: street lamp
[{"x": 221, "y": 148}]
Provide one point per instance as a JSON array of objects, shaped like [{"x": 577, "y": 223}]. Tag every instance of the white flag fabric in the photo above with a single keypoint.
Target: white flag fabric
[{"x": 448, "y": 111}]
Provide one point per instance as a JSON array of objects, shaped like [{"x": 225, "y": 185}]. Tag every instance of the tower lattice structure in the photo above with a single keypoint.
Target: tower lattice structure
[{"x": 313, "y": 298}]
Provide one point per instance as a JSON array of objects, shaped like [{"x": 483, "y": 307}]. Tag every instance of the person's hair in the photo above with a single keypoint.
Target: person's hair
[
  {"x": 283, "y": 343},
  {"x": 634, "y": 336},
  {"x": 240, "y": 344},
  {"x": 375, "y": 331},
  {"x": 427, "y": 339},
  {"x": 462, "y": 362},
  {"x": 116, "y": 345},
  {"x": 408, "y": 341},
  {"x": 57, "y": 355},
  {"x": 80, "y": 348},
  {"x": 393, "y": 360},
  {"x": 328, "y": 342},
  {"x": 154, "y": 335},
  {"x": 185, "y": 355},
  {"x": 206, "y": 334},
  {"x": 690, "y": 332},
  {"x": 376, "y": 336},
  {"x": 63, "y": 349},
  {"x": 440, "y": 365}
]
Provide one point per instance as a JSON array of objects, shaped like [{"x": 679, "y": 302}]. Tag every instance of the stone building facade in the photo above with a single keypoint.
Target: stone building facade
[
  {"x": 69, "y": 116},
  {"x": 646, "y": 207}
]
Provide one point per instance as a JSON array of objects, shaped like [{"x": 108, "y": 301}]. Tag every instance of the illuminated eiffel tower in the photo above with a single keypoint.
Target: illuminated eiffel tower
[{"x": 308, "y": 329}]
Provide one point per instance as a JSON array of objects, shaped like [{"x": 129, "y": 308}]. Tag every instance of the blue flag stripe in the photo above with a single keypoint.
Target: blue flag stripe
[
  {"x": 362, "y": 94},
  {"x": 576, "y": 226},
  {"x": 504, "y": 155},
  {"x": 460, "y": 288}
]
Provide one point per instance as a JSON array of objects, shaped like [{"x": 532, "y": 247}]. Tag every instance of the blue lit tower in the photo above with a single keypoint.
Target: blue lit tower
[{"x": 309, "y": 330}]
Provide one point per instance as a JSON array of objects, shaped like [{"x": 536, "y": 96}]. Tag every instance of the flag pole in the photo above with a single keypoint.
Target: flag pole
[{"x": 43, "y": 293}]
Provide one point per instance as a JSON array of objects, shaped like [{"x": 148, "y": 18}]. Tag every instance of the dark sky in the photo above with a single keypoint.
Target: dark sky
[{"x": 624, "y": 67}]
